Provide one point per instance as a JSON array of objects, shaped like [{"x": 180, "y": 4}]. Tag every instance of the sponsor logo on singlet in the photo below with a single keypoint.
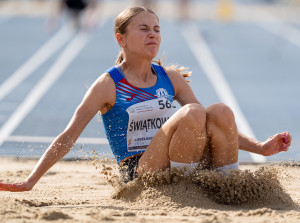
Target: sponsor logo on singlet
[{"x": 162, "y": 93}]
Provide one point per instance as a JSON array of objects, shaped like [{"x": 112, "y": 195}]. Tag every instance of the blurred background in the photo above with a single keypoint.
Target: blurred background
[{"x": 245, "y": 53}]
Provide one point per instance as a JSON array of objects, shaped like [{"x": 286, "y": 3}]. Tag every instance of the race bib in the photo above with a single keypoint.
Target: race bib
[{"x": 145, "y": 119}]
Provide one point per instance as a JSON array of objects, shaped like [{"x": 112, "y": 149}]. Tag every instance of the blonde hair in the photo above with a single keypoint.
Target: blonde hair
[
  {"x": 121, "y": 23},
  {"x": 181, "y": 69}
]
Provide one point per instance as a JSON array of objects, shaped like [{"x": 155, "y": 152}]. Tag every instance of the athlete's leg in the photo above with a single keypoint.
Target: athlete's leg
[
  {"x": 222, "y": 134},
  {"x": 181, "y": 139}
]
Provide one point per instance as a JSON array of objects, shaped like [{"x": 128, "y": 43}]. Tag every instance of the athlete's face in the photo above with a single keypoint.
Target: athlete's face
[{"x": 142, "y": 37}]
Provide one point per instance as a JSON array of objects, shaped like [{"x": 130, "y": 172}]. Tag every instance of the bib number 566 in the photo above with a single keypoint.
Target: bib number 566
[{"x": 164, "y": 104}]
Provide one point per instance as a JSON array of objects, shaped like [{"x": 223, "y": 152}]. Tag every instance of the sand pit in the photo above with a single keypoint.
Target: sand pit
[{"x": 76, "y": 191}]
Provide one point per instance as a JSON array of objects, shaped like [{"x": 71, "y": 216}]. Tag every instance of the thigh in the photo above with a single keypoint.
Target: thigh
[{"x": 156, "y": 156}]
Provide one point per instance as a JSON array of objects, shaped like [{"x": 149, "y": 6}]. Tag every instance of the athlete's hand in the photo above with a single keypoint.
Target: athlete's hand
[
  {"x": 276, "y": 143},
  {"x": 16, "y": 187}
]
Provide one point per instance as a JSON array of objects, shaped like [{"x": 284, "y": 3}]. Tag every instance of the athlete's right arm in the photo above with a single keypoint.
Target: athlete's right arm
[{"x": 99, "y": 97}]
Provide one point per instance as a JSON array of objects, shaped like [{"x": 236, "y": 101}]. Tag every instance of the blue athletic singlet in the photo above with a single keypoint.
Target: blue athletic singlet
[{"x": 138, "y": 113}]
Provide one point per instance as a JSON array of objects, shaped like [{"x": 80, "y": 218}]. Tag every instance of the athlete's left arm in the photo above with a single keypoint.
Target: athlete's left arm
[
  {"x": 183, "y": 92},
  {"x": 274, "y": 144}
]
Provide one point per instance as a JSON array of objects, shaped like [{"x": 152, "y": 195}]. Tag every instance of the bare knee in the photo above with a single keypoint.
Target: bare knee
[
  {"x": 223, "y": 135},
  {"x": 220, "y": 115},
  {"x": 194, "y": 115},
  {"x": 189, "y": 139}
]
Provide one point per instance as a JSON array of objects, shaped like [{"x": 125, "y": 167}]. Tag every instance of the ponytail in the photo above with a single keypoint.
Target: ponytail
[
  {"x": 120, "y": 58},
  {"x": 182, "y": 70}
]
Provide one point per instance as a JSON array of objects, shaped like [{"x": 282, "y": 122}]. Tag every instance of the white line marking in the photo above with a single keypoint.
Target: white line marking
[
  {"x": 63, "y": 61},
  {"x": 47, "y": 50},
  {"x": 280, "y": 28},
  {"x": 48, "y": 139},
  {"x": 213, "y": 72}
]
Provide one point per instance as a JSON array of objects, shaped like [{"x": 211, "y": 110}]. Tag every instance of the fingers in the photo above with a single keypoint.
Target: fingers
[
  {"x": 286, "y": 140},
  {"x": 7, "y": 187},
  {"x": 12, "y": 187}
]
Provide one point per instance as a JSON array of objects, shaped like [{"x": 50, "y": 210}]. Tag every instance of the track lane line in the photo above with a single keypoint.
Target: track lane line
[
  {"x": 49, "y": 139},
  {"x": 216, "y": 77},
  {"x": 63, "y": 61},
  {"x": 279, "y": 27},
  {"x": 35, "y": 61}
]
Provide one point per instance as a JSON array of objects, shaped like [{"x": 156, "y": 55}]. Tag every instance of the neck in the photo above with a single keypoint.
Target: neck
[{"x": 137, "y": 70}]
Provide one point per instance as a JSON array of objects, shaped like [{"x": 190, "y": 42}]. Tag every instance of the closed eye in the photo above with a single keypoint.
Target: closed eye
[{"x": 147, "y": 28}]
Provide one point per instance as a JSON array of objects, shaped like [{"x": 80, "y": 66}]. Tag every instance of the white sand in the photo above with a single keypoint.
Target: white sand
[{"x": 74, "y": 191}]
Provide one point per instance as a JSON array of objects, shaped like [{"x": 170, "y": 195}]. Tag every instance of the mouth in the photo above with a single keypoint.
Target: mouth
[{"x": 151, "y": 44}]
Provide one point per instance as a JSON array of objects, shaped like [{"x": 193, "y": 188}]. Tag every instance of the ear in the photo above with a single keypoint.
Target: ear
[{"x": 120, "y": 39}]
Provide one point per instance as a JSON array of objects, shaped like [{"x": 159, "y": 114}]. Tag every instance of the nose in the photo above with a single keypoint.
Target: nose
[{"x": 152, "y": 34}]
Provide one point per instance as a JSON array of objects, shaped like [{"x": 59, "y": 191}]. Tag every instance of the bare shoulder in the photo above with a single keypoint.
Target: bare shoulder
[
  {"x": 105, "y": 78},
  {"x": 183, "y": 91},
  {"x": 101, "y": 94},
  {"x": 104, "y": 83},
  {"x": 177, "y": 79},
  {"x": 173, "y": 74}
]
